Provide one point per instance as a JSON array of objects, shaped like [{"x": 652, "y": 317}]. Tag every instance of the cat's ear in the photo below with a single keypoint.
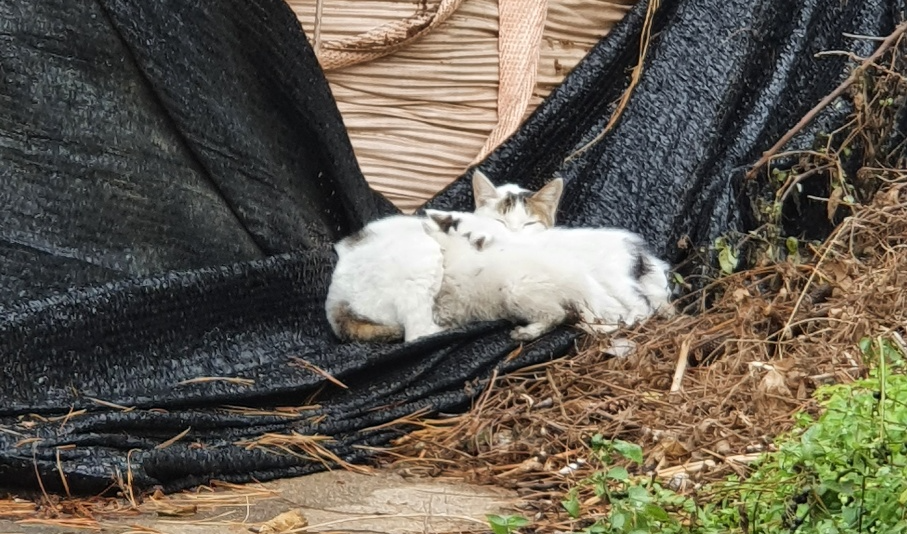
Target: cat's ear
[
  {"x": 429, "y": 223},
  {"x": 443, "y": 220},
  {"x": 545, "y": 200},
  {"x": 483, "y": 191}
]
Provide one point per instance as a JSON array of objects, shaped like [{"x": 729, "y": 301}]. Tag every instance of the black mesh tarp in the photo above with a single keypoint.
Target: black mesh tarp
[{"x": 172, "y": 174}]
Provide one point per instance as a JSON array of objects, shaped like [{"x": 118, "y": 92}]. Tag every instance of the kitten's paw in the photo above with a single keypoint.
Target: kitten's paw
[
  {"x": 666, "y": 310},
  {"x": 620, "y": 347},
  {"x": 528, "y": 332}
]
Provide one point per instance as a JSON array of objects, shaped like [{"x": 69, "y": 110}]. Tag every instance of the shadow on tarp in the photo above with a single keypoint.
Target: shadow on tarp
[{"x": 172, "y": 175}]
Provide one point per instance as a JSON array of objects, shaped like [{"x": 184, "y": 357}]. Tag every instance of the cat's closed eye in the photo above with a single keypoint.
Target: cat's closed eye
[{"x": 531, "y": 223}]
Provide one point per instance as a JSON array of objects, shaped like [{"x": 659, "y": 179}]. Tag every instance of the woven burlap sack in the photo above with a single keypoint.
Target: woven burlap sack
[{"x": 428, "y": 87}]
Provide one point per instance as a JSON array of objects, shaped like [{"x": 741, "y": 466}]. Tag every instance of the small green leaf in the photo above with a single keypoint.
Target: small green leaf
[
  {"x": 630, "y": 451},
  {"x": 792, "y": 245},
  {"x": 498, "y": 524},
  {"x": 639, "y": 494},
  {"x": 618, "y": 520},
  {"x": 597, "y": 441},
  {"x": 618, "y": 473},
  {"x": 572, "y": 506},
  {"x": 866, "y": 346},
  {"x": 657, "y": 512},
  {"x": 517, "y": 521},
  {"x": 727, "y": 260},
  {"x": 506, "y": 524}
]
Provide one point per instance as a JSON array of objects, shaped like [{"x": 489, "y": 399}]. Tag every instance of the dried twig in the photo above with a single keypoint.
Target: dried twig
[
  {"x": 228, "y": 379},
  {"x": 887, "y": 43},
  {"x": 319, "y": 371},
  {"x": 174, "y": 439},
  {"x": 682, "y": 358}
]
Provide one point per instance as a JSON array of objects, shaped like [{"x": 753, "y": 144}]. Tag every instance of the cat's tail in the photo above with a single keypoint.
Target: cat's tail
[{"x": 349, "y": 326}]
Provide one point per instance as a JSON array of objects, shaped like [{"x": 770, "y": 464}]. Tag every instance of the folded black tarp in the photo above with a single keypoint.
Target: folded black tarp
[{"x": 172, "y": 174}]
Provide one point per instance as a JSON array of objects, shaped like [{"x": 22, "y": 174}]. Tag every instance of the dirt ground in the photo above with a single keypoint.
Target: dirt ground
[{"x": 338, "y": 501}]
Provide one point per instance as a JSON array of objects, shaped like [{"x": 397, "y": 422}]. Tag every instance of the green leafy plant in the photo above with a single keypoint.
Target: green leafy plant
[
  {"x": 843, "y": 472},
  {"x": 635, "y": 506},
  {"x": 506, "y": 524}
]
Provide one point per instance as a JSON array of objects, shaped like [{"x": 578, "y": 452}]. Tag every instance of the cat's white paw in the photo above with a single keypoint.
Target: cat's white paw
[
  {"x": 621, "y": 347},
  {"x": 528, "y": 332},
  {"x": 666, "y": 310}
]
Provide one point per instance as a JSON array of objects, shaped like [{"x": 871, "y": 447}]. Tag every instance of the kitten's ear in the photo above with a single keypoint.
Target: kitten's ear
[
  {"x": 546, "y": 199},
  {"x": 483, "y": 191},
  {"x": 429, "y": 223},
  {"x": 444, "y": 220}
]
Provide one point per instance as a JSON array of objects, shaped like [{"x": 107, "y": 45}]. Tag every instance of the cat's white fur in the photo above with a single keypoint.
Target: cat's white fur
[
  {"x": 384, "y": 282},
  {"x": 387, "y": 276},
  {"x": 603, "y": 277}
]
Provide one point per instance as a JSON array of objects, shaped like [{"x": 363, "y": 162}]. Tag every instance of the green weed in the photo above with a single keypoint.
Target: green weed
[{"x": 843, "y": 472}]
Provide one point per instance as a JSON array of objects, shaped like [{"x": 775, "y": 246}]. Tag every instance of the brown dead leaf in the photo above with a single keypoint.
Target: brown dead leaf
[
  {"x": 177, "y": 510},
  {"x": 284, "y": 522},
  {"x": 834, "y": 200},
  {"x": 675, "y": 449},
  {"x": 773, "y": 383}
]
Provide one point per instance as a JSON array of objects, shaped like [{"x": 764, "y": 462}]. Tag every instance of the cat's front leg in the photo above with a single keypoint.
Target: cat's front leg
[
  {"x": 539, "y": 310},
  {"x": 531, "y": 331}
]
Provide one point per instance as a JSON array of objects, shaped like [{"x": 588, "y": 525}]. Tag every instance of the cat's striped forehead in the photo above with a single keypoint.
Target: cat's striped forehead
[
  {"x": 514, "y": 206},
  {"x": 519, "y": 208},
  {"x": 511, "y": 201}
]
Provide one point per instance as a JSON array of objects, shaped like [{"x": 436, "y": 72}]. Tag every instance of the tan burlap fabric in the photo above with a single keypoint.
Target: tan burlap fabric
[{"x": 427, "y": 87}]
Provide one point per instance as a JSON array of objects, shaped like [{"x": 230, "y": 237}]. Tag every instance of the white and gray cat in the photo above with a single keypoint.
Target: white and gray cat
[
  {"x": 388, "y": 274},
  {"x": 602, "y": 277}
]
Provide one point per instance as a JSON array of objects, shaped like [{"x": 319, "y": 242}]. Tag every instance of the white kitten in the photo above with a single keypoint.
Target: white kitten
[
  {"x": 387, "y": 275},
  {"x": 510, "y": 280},
  {"x": 384, "y": 283},
  {"x": 603, "y": 276}
]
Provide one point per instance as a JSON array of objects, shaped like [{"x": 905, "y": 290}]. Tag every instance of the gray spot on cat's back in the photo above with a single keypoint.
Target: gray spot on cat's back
[
  {"x": 641, "y": 267},
  {"x": 446, "y": 222}
]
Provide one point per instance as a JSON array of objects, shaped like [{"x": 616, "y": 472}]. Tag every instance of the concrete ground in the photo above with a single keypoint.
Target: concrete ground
[{"x": 338, "y": 501}]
